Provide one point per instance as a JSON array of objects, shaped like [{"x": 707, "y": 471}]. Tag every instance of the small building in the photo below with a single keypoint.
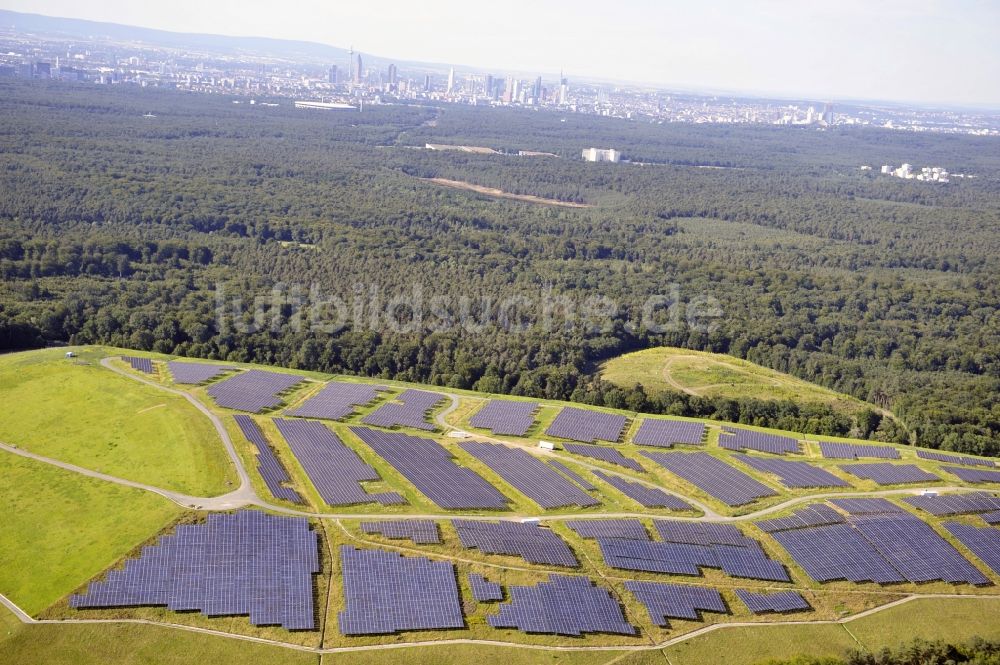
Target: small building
[
  {"x": 546, "y": 445},
  {"x": 602, "y": 155}
]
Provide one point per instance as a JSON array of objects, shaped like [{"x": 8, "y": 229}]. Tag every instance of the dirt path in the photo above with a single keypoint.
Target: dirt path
[{"x": 499, "y": 193}]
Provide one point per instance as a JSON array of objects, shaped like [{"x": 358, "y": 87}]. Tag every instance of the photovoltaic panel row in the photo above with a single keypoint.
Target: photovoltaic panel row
[
  {"x": 886, "y": 473},
  {"x": 673, "y": 601},
  {"x": 335, "y": 470},
  {"x": 955, "y": 504},
  {"x": 563, "y": 605},
  {"x": 483, "y": 590},
  {"x": 686, "y": 559},
  {"x": 268, "y": 465},
  {"x": 984, "y": 542},
  {"x": 836, "y": 552},
  {"x": 531, "y": 542},
  {"x": 505, "y": 417},
  {"x": 629, "y": 529},
  {"x": 529, "y": 475},
  {"x": 913, "y": 548},
  {"x": 572, "y": 475},
  {"x": 586, "y": 425},
  {"x": 973, "y": 475},
  {"x": 794, "y": 474},
  {"x": 408, "y": 409},
  {"x": 832, "y": 450},
  {"x": 665, "y": 433},
  {"x": 337, "y": 399},
  {"x": 954, "y": 459},
  {"x": 992, "y": 517},
  {"x": 195, "y": 373},
  {"x": 433, "y": 471},
  {"x": 253, "y": 390},
  {"x": 144, "y": 365},
  {"x": 713, "y": 476},
  {"x": 421, "y": 532},
  {"x": 737, "y": 438},
  {"x": 647, "y": 497},
  {"x": 609, "y": 455},
  {"x": 764, "y": 603},
  {"x": 244, "y": 563},
  {"x": 814, "y": 515},
  {"x": 702, "y": 533},
  {"x": 867, "y": 506},
  {"x": 385, "y": 592}
]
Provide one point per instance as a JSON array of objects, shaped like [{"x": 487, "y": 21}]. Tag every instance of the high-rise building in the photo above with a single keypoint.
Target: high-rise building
[
  {"x": 451, "y": 80},
  {"x": 828, "y": 113},
  {"x": 359, "y": 69},
  {"x": 332, "y": 75},
  {"x": 350, "y": 65},
  {"x": 427, "y": 82},
  {"x": 392, "y": 75},
  {"x": 536, "y": 91},
  {"x": 508, "y": 92},
  {"x": 563, "y": 89},
  {"x": 488, "y": 86}
]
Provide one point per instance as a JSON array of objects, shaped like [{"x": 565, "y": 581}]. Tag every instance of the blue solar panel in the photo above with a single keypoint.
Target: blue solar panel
[
  {"x": 505, "y": 417},
  {"x": 885, "y": 473},
  {"x": 270, "y": 467},
  {"x": 244, "y": 563},
  {"x": 836, "y": 552},
  {"x": 253, "y": 390},
  {"x": 421, "y": 532},
  {"x": 701, "y": 533},
  {"x": 587, "y": 426},
  {"x": 385, "y": 592},
  {"x": 562, "y": 606},
  {"x": 408, "y": 409},
  {"x": 984, "y": 542},
  {"x": 794, "y": 474},
  {"x": 609, "y": 455},
  {"x": 737, "y": 438},
  {"x": 531, "y": 542},
  {"x": 628, "y": 529},
  {"x": 337, "y": 400},
  {"x": 814, "y": 515},
  {"x": 195, "y": 373},
  {"x": 866, "y": 506},
  {"x": 647, "y": 497},
  {"x": 144, "y": 365},
  {"x": 663, "y": 601},
  {"x": 572, "y": 475},
  {"x": 747, "y": 560},
  {"x": 764, "y": 603},
  {"x": 955, "y": 504},
  {"x": 483, "y": 590},
  {"x": 665, "y": 433},
  {"x": 954, "y": 459},
  {"x": 713, "y": 476},
  {"x": 529, "y": 475},
  {"x": 833, "y": 450},
  {"x": 974, "y": 475}
]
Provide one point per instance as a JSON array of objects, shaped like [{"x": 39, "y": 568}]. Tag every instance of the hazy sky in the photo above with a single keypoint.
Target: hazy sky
[{"x": 910, "y": 50}]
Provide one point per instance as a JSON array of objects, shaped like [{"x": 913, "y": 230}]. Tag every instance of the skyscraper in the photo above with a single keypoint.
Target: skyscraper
[
  {"x": 536, "y": 90},
  {"x": 488, "y": 86},
  {"x": 427, "y": 82},
  {"x": 392, "y": 75},
  {"x": 332, "y": 75},
  {"x": 359, "y": 69},
  {"x": 451, "y": 80},
  {"x": 350, "y": 65}
]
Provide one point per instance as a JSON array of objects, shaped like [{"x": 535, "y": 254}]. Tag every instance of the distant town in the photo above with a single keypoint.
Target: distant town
[{"x": 357, "y": 80}]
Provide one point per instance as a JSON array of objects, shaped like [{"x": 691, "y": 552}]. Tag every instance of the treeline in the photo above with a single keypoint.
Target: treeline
[
  {"x": 978, "y": 651},
  {"x": 166, "y": 238}
]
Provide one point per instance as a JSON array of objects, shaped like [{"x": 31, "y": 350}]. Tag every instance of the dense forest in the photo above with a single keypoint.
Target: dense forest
[
  {"x": 918, "y": 652},
  {"x": 189, "y": 224}
]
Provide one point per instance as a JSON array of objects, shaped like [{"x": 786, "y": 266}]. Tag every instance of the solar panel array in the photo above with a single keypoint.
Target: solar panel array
[
  {"x": 886, "y": 473},
  {"x": 955, "y": 504},
  {"x": 268, "y": 465},
  {"x": 609, "y": 455},
  {"x": 385, "y": 592},
  {"x": 144, "y": 365},
  {"x": 867, "y": 506},
  {"x": 647, "y": 497},
  {"x": 629, "y": 529},
  {"x": 913, "y": 548},
  {"x": 337, "y": 399},
  {"x": 832, "y": 450},
  {"x": 883, "y": 547},
  {"x": 702, "y": 533},
  {"x": 529, "y": 475},
  {"x": 505, "y": 417},
  {"x": 195, "y": 373},
  {"x": 563, "y": 605},
  {"x": 984, "y": 542},
  {"x": 409, "y": 409},
  {"x": 992, "y": 517},
  {"x": 763, "y": 603},
  {"x": 954, "y": 459},
  {"x": 334, "y": 469},
  {"x": 673, "y": 601},
  {"x": 432, "y": 470},
  {"x": 421, "y": 532},
  {"x": 531, "y": 542},
  {"x": 666, "y": 433},
  {"x": 244, "y": 563},
  {"x": 572, "y": 475},
  {"x": 253, "y": 390},
  {"x": 814, "y": 515},
  {"x": 974, "y": 475},
  {"x": 688, "y": 559},
  {"x": 794, "y": 474},
  {"x": 737, "y": 438},
  {"x": 714, "y": 477},
  {"x": 483, "y": 590},
  {"x": 587, "y": 426}
]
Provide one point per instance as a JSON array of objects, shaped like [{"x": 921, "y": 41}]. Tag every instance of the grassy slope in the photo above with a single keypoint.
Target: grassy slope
[
  {"x": 668, "y": 369},
  {"x": 79, "y": 412},
  {"x": 74, "y": 526}
]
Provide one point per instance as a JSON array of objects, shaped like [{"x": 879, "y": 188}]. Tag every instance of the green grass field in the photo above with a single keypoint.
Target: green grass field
[
  {"x": 60, "y": 529},
  {"x": 76, "y": 411},
  {"x": 666, "y": 369}
]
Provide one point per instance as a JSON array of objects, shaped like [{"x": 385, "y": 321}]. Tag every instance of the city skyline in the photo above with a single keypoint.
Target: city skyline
[{"x": 935, "y": 55}]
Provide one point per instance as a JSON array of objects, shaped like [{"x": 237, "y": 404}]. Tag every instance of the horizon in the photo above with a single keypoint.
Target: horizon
[{"x": 713, "y": 71}]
